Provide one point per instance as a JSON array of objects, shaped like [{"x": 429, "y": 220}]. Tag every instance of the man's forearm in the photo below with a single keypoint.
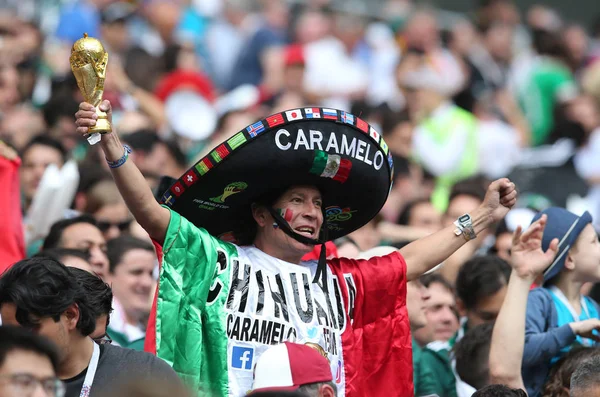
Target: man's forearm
[
  {"x": 428, "y": 252},
  {"x": 135, "y": 191}
]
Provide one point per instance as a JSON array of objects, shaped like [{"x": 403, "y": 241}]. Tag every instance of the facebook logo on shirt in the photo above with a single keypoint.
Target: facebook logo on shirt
[{"x": 241, "y": 357}]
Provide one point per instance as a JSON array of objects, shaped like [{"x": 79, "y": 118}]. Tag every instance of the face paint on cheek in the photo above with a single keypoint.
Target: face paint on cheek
[{"x": 286, "y": 214}]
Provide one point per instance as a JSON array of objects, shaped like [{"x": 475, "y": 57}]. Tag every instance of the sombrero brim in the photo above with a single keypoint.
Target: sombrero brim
[{"x": 333, "y": 150}]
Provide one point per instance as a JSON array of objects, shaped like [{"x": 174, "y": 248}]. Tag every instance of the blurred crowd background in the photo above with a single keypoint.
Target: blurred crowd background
[{"x": 460, "y": 99}]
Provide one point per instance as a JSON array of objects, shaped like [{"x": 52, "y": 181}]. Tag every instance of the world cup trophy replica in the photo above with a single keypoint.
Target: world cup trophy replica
[{"x": 88, "y": 62}]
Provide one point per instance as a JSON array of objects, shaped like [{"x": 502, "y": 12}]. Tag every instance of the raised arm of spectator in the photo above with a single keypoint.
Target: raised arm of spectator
[
  {"x": 528, "y": 261},
  {"x": 132, "y": 185},
  {"x": 426, "y": 253}
]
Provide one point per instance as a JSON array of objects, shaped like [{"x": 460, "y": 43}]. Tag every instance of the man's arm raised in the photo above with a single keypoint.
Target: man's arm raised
[
  {"x": 428, "y": 252},
  {"x": 128, "y": 178}
]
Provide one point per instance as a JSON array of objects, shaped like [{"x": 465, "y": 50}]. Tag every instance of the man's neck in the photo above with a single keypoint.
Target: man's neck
[
  {"x": 78, "y": 359},
  {"x": 277, "y": 253},
  {"x": 572, "y": 291}
]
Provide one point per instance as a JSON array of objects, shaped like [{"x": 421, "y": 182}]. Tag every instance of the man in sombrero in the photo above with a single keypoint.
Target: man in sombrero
[{"x": 231, "y": 233}]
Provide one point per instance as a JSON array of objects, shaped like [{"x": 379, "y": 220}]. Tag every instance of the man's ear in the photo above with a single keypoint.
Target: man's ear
[
  {"x": 326, "y": 391},
  {"x": 259, "y": 213},
  {"x": 72, "y": 315}
]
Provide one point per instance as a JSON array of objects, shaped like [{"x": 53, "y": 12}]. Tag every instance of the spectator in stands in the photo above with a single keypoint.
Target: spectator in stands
[
  {"x": 69, "y": 257},
  {"x": 58, "y": 114},
  {"x": 442, "y": 316},
  {"x": 558, "y": 383},
  {"x": 100, "y": 299},
  {"x": 80, "y": 233},
  {"x": 155, "y": 156},
  {"x": 586, "y": 380},
  {"x": 40, "y": 152},
  {"x": 421, "y": 214},
  {"x": 361, "y": 240},
  {"x": 416, "y": 300},
  {"x": 43, "y": 295},
  {"x": 442, "y": 323},
  {"x": 258, "y": 61},
  {"x": 107, "y": 206},
  {"x": 558, "y": 316},
  {"x": 28, "y": 364},
  {"x": 471, "y": 354},
  {"x": 291, "y": 366},
  {"x": 549, "y": 83},
  {"x": 132, "y": 265},
  {"x": 480, "y": 289}
]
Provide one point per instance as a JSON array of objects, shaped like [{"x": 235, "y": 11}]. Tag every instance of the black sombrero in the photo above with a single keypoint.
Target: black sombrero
[{"x": 337, "y": 152}]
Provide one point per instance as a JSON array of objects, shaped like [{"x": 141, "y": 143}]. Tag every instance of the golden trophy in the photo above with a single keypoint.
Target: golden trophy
[{"x": 88, "y": 62}]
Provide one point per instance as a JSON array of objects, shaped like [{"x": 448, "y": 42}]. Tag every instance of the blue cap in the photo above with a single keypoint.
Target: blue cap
[{"x": 566, "y": 227}]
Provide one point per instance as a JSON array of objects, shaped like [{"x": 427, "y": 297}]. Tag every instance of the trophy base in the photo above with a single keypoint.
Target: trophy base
[
  {"x": 101, "y": 127},
  {"x": 102, "y": 124}
]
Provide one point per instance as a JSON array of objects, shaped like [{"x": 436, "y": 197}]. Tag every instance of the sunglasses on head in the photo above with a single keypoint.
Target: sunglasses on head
[{"x": 105, "y": 225}]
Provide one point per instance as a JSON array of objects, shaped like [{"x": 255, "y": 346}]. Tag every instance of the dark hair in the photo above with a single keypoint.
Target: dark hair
[
  {"x": 401, "y": 167},
  {"x": 89, "y": 176},
  {"x": 99, "y": 294},
  {"x": 501, "y": 228},
  {"x": 118, "y": 247},
  {"x": 53, "y": 239},
  {"x": 549, "y": 43},
  {"x": 44, "y": 287},
  {"x": 59, "y": 105},
  {"x": 143, "y": 68},
  {"x": 59, "y": 254},
  {"x": 144, "y": 141},
  {"x": 247, "y": 227},
  {"x": 392, "y": 119},
  {"x": 44, "y": 140},
  {"x": 499, "y": 391},
  {"x": 473, "y": 187},
  {"x": 559, "y": 378},
  {"x": 586, "y": 376},
  {"x": 433, "y": 278},
  {"x": 404, "y": 217},
  {"x": 18, "y": 338},
  {"x": 472, "y": 355},
  {"x": 170, "y": 56},
  {"x": 481, "y": 277}
]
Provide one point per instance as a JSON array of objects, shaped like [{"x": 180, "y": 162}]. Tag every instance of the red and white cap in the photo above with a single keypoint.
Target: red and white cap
[{"x": 288, "y": 366}]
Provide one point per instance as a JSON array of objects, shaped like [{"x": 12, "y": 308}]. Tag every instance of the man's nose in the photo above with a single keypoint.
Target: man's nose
[
  {"x": 312, "y": 210},
  {"x": 448, "y": 314}
]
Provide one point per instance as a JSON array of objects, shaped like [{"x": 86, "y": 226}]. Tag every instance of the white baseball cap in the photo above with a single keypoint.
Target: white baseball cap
[{"x": 288, "y": 366}]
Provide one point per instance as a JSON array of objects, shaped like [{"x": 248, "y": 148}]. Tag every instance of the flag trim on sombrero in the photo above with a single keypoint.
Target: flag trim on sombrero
[
  {"x": 237, "y": 140},
  {"x": 335, "y": 167}
]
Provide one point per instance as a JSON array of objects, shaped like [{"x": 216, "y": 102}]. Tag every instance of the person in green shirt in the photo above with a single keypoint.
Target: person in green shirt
[
  {"x": 131, "y": 274},
  {"x": 423, "y": 377},
  {"x": 436, "y": 357},
  {"x": 549, "y": 82}
]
